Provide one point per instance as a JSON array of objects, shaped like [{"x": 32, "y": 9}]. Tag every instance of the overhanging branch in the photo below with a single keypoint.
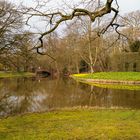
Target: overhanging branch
[{"x": 76, "y": 13}]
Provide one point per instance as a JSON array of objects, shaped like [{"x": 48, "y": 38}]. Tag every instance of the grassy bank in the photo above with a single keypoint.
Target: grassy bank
[
  {"x": 81, "y": 124},
  {"x": 15, "y": 74},
  {"x": 126, "y": 76}
]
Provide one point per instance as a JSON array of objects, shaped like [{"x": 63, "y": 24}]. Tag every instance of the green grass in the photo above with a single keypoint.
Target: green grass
[
  {"x": 126, "y": 76},
  {"x": 78, "y": 124},
  {"x": 15, "y": 74}
]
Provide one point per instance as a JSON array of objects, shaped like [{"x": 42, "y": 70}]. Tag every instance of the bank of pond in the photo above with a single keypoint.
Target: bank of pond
[
  {"x": 80, "y": 124},
  {"x": 16, "y": 74},
  {"x": 56, "y": 109},
  {"x": 125, "y": 78}
]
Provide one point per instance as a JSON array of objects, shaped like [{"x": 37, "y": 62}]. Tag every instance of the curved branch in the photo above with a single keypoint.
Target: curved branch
[
  {"x": 76, "y": 13},
  {"x": 111, "y": 22}
]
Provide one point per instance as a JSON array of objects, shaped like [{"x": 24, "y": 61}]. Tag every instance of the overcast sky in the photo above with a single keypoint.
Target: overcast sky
[
  {"x": 125, "y": 5},
  {"x": 129, "y": 5}
]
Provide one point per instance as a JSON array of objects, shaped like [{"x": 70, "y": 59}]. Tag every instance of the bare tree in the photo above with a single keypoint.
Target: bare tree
[
  {"x": 131, "y": 31},
  {"x": 10, "y": 23},
  {"x": 54, "y": 19},
  {"x": 132, "y": 24}
]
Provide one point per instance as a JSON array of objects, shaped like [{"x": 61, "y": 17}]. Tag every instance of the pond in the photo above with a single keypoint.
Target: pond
[{"x": 25, "y": 95}]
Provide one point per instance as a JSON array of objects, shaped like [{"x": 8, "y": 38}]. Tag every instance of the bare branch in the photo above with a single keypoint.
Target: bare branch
[
  {"x": 111, "y": 22},
  {"x": 77, "y": 12}
]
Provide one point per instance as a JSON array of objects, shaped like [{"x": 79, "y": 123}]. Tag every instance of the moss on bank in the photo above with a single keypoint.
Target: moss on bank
[
  {"x": 16, "y": 74},
  {"x": 126, "y": 76},
  {"x": 81, "y": 124}
]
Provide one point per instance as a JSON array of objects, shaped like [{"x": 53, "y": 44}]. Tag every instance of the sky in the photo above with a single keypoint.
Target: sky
[
  {"x": 125, "y": 5},
  {"x": 129, "y": 5}
]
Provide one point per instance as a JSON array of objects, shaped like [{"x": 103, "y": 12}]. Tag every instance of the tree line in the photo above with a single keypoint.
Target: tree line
[{"x": 86, "y": 45}]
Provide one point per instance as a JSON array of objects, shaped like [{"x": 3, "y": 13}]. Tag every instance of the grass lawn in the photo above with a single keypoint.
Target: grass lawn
[
  {"x": 126, "y": 76},
  {"x": 76, "y": 124},
  {"x": 15, "y": 74}
]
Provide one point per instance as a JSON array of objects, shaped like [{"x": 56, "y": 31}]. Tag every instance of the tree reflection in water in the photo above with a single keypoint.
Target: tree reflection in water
[{"x": 23, "y": 95}]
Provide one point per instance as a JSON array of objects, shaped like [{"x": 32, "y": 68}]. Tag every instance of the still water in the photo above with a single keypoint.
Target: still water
[{"x": 24, "y": 95}]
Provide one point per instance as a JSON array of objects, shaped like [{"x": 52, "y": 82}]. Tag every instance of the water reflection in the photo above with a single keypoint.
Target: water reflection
[{"x": 32, "y": 95}]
